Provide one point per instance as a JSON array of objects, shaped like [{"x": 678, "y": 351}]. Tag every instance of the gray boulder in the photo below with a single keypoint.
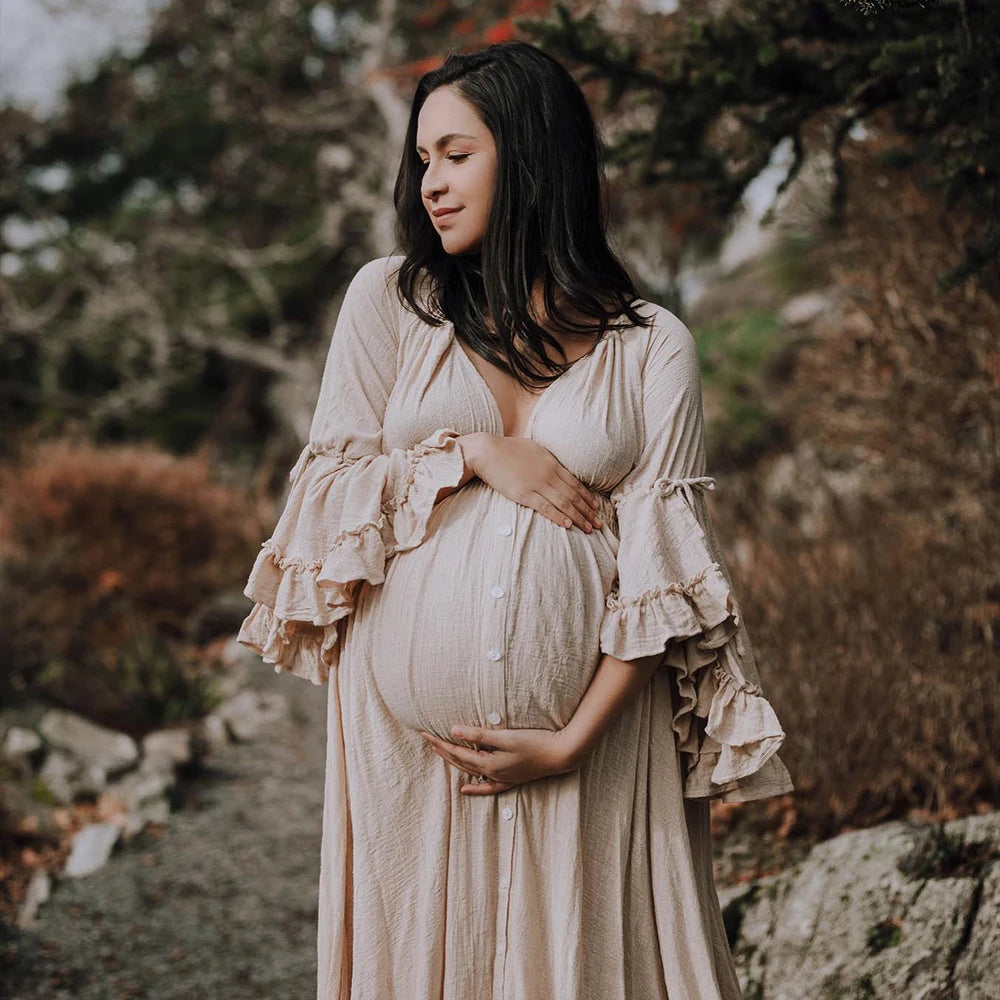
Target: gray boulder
[
  {"x": 899, "y": 911},
  {"x": 92, "y": 846},
  {"x": 96, "y": 745}
]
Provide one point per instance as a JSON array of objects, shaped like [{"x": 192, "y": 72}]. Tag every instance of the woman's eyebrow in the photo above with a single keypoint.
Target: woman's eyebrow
[{"x": 445, "y": 139}]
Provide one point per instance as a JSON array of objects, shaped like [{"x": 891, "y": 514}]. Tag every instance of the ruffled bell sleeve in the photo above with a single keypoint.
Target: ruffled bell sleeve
[
  {"x": 674, "y": 593},
  {"x": 350, "y": 507}
]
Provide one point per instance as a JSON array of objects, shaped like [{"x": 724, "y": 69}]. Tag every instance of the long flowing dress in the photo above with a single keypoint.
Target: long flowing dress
[{"x": 596, "y": 884}]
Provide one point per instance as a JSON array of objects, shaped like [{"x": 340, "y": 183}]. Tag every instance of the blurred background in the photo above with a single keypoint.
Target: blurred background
[{"x": 812, "y": 185}]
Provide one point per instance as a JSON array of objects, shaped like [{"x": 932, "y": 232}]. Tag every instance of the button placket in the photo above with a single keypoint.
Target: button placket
[
  {"x": 505, "y": 803},
  {"x": 507, "y": 833}
]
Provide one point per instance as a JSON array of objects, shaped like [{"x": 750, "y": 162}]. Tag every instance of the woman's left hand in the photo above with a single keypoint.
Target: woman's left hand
[{"x": 507, "y": 757}]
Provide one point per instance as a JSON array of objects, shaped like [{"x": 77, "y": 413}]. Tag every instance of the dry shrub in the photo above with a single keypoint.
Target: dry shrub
[
  {"x": 878, "y": 621},
  {"x": 107, "y": 552}
]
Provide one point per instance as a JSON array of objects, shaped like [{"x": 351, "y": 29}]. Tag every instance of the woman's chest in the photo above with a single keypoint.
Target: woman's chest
[{"x": 589, "y": 418}]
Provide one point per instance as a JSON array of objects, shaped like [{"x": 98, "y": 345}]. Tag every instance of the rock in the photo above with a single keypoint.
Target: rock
[
  {"x": 92, "y": 846},
  {"x": 165, "y": 749},
  {"x": 978, "y": 967},
  {"x": 144, "y": 796},
  {"x": 138, "y": 788},
  {"x": 803, "y": 308},
  {"x": 237, "y": 657},
  {"x": 240, "y": 663},
  {"x": 155, "y": 810},
  {"x": 25, "y": 714},
  {"x": 21, "y": 748},
  {"x": 212, "y": 730},
  {"x": 249, "y": 712},
  {"x": 59, "y": 773},
  {"x": 109, "y": 750},
  {"x": 38, "y": 891},
  {"x": 894, "y": 911},
  {"x": 131, "y": 823},
  {"x": 804, "y": 484}
]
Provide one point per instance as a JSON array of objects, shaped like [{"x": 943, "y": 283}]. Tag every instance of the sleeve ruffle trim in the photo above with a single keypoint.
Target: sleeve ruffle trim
[
  {"x": 297, "y": 603},
  {"x": 696, "y": 623},
  {"x": 301, "y": 648},
  {"x": 435, "y": 462},
  {"x": 292, "y": 623}
]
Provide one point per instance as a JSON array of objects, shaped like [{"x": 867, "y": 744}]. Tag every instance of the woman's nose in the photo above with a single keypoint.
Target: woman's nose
[{"x": 429, "y": 183}]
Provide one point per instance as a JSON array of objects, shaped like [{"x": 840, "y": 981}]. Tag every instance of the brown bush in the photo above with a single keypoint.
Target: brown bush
[
  {"x": 878, "y": 621},
  {"x": 105, "y": 555}
]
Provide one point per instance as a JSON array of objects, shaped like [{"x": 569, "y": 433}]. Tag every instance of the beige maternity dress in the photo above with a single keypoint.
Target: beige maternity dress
[{"x": 591, "y": 885}]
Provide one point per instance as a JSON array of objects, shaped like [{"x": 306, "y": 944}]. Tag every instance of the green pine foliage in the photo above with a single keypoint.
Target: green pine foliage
[{"x": 724, "y": 90}]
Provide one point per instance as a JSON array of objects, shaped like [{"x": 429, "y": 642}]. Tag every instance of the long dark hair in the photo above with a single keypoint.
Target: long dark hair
[{"x": 548, "y": 217}]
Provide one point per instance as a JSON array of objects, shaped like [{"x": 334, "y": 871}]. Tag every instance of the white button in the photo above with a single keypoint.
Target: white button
[
  {"x": 496, "y": 591},
  {"x": 503, "y": 882},
  {"x": 494, "y": 717},
  {"x": 508, "y": 812},
  {"x": 505, "y": 529},
  {"x": 494, "y": 654},
  {"x": 500, "y": 945}
]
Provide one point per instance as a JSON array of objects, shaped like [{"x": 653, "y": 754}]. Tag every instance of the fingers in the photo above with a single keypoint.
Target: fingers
[
  {"x": 578, "y": 498},
  {"x": 490, "y": 787},
  {"x": 574, "y": 484},
  {"x": 482, "y": 738},
  {"x": 566, "y": 509},
  {"x": 583, "y": 512},
  {"x": 470, "y": 761}
]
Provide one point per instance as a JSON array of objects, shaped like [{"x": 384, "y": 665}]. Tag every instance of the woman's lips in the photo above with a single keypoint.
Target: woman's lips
[{"x": 445, "y": 213}]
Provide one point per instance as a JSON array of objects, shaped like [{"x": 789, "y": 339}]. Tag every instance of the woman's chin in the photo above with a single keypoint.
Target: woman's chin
[{"x": 458, "y": 246}]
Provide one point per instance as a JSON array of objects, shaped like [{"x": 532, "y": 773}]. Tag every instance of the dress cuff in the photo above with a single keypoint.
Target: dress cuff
[
  {"x": 696, "y": 625},
  {"x": 298, "y": 601},
  {"x": 435, "y": 462},
  {"x": 643, "y": 625},
  {"x": 772, "y": 779},
  {"x": 296, "y": 604},
  {"x": 301, "y": 648},
  {"x": 318, "y": 592}
]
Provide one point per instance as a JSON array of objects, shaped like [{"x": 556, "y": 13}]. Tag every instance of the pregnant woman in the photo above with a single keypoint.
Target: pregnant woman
[{"x": 496, "y": 553}]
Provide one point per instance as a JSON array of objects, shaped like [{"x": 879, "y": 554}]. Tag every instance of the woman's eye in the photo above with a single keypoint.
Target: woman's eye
[{"x": 455, "y": 158}]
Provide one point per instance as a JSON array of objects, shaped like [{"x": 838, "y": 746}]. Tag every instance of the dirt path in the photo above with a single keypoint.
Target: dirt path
[{"x": 223, "y": 904}]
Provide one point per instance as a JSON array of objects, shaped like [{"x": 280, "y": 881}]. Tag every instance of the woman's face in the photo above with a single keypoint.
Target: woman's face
[{"x": 460, "y": 168}]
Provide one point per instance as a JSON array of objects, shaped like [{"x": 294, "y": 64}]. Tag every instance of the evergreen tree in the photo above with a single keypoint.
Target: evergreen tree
[{"x": 725, "y": 89}]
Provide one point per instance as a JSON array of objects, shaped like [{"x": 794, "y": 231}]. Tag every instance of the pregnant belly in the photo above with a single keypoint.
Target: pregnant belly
[{"x": 476, "y": 626}]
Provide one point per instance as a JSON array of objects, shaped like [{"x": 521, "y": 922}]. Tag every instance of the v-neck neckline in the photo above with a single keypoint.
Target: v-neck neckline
[{"x": 491, "y": 398}]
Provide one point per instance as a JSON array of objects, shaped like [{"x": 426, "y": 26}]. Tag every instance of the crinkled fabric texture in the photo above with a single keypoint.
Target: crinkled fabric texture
[{"x": 420, "y": 615}]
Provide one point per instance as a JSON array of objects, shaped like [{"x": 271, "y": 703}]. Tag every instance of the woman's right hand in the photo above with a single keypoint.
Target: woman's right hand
[{"x": 529, "y": 474}]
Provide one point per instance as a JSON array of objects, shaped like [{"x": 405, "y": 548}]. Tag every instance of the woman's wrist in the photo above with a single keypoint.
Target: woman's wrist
[
  {"x": 570, "y": 750},
  {"x": 614, "y": 686},
  {"x": 472, "y": 446}
]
